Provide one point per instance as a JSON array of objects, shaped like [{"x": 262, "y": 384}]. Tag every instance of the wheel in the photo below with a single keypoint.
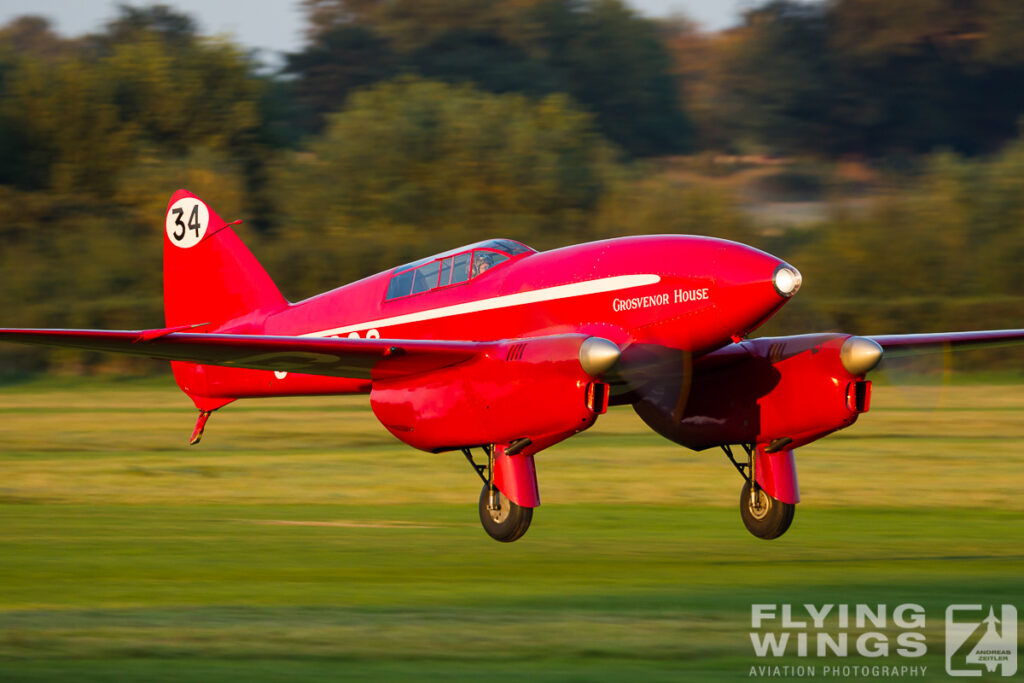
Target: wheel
[
  {"x": 506, "y": 524},
  {"x": 767, "y": 518}
]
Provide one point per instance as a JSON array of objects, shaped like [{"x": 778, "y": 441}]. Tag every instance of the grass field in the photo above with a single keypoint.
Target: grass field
[{"x": 299, "y": 541}]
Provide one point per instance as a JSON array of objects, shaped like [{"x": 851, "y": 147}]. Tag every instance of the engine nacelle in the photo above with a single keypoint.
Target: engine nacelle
[
  {"x": 483, "y": 401},
  {"x": 783, "y": 391}
]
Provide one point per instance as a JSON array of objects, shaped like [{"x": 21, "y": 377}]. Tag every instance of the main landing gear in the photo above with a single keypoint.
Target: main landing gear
[
  {"x": 502, "y": 519},
  {"x": 764, "y": 516}
]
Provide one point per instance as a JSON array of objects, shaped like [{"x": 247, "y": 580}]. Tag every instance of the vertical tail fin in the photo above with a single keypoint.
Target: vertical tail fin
[
  {"x": 209, "y": 275},
  {"x": 210, "y": 279}
]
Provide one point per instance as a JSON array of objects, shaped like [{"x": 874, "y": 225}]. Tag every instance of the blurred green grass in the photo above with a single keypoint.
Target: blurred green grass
[
  {"x": 929, "y": 446},
  {"x": 301, "y": 542}
]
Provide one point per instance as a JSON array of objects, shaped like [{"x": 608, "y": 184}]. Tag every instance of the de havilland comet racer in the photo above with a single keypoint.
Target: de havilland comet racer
[{"x": 497, "y": 347}]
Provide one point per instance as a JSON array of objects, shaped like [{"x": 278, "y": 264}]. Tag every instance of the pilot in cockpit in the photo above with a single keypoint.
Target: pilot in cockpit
[{"x": 481, "y": 262}]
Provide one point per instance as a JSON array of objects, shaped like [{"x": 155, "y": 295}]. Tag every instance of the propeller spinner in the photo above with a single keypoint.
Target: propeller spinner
[{"x": 860, "y": 355}]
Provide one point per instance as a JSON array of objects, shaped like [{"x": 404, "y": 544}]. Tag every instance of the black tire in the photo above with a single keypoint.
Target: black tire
[
  {"x": 770, "y": 518},
  {"x": 506, "y": 524}
]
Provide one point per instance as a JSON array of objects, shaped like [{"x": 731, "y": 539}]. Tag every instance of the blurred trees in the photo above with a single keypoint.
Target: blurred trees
[
  {"x": 598, "y": 51},
  {"x": 777, "y": 79},
  {"x": 75, "y": 119},
  {"x": 957, "y": 231},
  {"x": 407, "y": 127},
  {"x": 875, "y": 78}
]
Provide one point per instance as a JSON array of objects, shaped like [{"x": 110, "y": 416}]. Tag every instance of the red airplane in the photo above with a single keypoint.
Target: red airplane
[{"x": 498, "y": 347}]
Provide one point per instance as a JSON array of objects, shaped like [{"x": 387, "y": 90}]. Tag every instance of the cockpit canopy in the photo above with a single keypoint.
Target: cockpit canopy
[{"x": 452, "y": 267}]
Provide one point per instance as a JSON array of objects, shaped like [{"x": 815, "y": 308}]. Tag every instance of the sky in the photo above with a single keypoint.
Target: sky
[{"x": 276, "y": 25}]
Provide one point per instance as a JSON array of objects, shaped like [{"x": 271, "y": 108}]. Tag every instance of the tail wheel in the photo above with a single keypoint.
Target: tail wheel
[
  {"x": 504, "y": 520},
  {"x": 764, "y": 516}
]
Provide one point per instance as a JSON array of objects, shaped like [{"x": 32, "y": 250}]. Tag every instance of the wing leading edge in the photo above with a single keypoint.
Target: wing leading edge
[{"x": 331, "y": 357}]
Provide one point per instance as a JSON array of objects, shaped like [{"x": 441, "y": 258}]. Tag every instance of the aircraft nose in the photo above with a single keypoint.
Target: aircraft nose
[{"x": 753, "y": 286}]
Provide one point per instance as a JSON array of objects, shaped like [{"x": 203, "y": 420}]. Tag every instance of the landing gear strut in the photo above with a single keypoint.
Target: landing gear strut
[
  {"x": 764, "y": 516},
  {"x": 502, "y": 519}
]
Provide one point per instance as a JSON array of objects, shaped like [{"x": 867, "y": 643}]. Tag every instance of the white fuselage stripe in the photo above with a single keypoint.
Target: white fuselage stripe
[{"x": 606, "y": 284}]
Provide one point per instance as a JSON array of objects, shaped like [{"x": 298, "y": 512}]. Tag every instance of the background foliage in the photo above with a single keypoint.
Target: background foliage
[{"x": 874, "y": 145}]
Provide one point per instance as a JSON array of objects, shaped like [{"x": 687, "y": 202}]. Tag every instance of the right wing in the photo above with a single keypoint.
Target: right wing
[{"x": 332, "y": 357}]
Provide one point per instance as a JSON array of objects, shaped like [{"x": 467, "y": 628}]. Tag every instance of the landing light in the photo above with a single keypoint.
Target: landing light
[{"x": 787, "y": 280}]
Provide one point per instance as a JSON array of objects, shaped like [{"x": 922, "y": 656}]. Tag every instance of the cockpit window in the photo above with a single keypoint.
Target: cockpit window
[
  {"x": 460, "y": 268},
  {"x": 452, "y": 268},
  {"x": 485, "y": 260},
  {"x": 400, "y": 285},
  {"x": 426, "y": 277}
]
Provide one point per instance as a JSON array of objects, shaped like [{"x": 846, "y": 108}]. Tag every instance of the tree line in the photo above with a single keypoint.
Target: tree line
[{"x": 403, "y": 128}]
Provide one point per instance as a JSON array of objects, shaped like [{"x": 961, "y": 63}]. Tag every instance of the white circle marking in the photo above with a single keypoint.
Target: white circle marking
[{"x": 186, "y": 222}]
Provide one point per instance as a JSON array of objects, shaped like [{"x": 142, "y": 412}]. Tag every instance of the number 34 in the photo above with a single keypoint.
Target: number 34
[{"x": 193, "y": 222}]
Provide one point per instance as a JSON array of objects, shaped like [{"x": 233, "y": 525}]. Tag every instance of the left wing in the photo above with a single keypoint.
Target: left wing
[
  {"x": 332, "y": 357},
  {"x": 905, "y": 344}
]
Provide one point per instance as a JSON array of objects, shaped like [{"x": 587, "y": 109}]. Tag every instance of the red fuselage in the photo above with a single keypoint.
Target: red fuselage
[{"x": 690, "y": 293}]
